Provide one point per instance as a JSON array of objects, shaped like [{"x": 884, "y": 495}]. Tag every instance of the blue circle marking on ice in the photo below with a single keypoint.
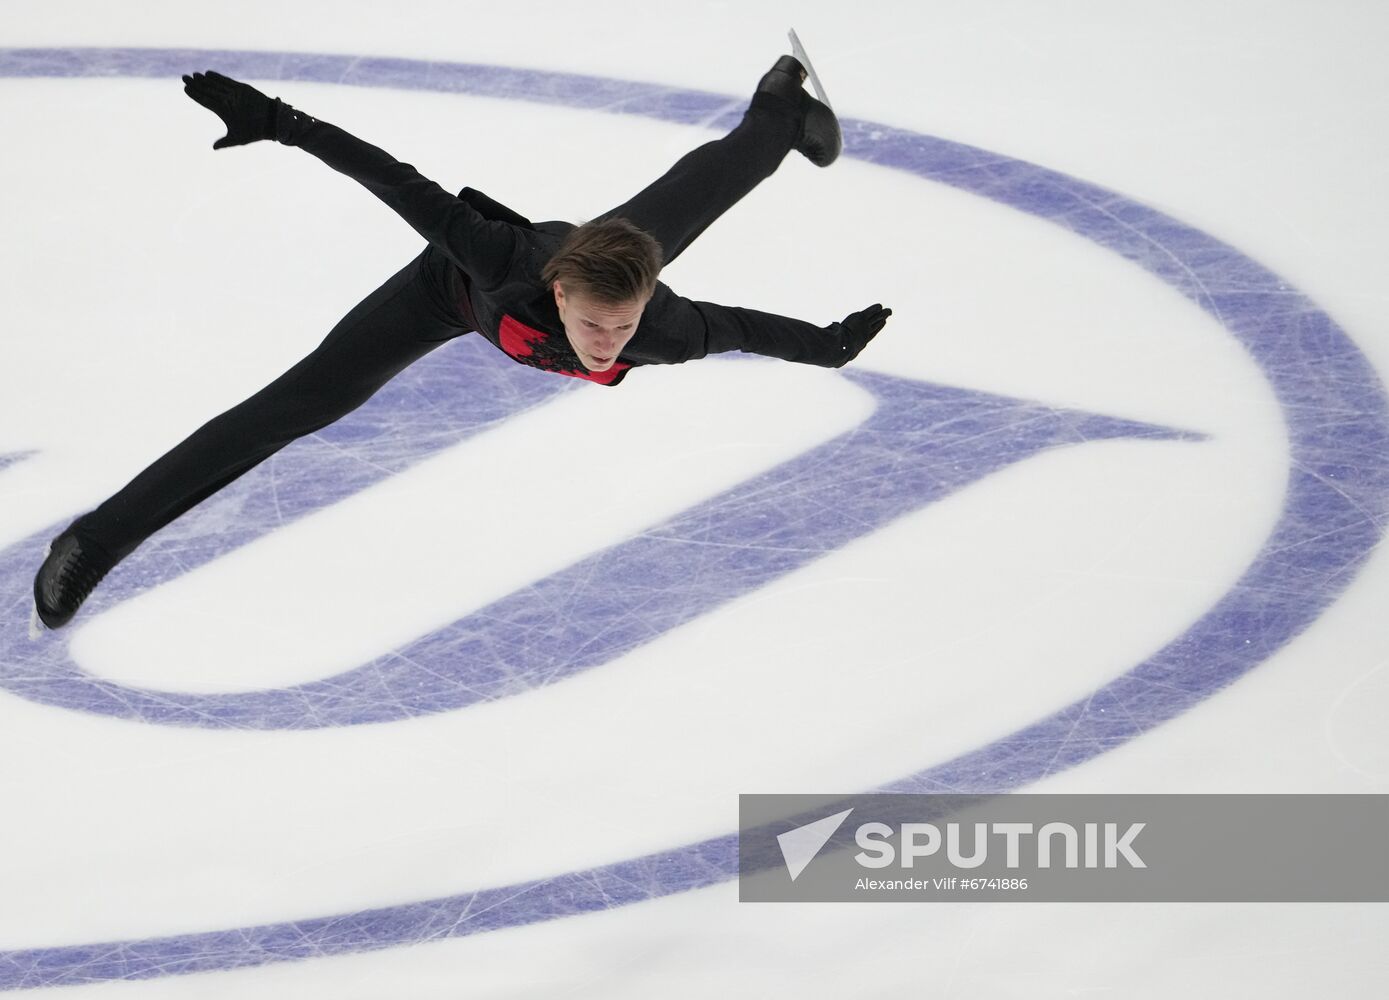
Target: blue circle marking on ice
[{"x": 1333, "y": 516}]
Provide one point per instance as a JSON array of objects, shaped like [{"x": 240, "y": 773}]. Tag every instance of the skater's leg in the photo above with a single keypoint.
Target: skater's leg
[
  {"x": 709, "y": 180},
  {"x": 400, "y": 322}
]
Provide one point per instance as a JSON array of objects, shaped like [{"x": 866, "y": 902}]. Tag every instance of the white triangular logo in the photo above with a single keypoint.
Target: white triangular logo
[{"x": 799, "y": 846}]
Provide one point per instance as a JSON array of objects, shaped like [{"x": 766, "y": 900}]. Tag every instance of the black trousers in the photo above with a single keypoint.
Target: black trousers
[{"x": 414, "y": 312}]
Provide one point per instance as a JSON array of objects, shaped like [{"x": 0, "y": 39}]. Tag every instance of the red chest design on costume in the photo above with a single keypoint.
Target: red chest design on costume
[{"x": 549, "y": 353}]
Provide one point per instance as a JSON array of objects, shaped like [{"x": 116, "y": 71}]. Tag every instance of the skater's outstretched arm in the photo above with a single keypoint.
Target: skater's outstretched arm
[
  {"x": 484, "y": 249},
  {"x": 710, "y": 328}
]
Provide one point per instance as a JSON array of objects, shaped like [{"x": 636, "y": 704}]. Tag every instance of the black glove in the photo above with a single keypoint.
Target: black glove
[
  {"x": 247, "y": 113},
  {"x": 858, "y": 329}
]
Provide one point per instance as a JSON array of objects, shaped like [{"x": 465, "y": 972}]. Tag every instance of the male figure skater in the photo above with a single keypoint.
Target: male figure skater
[{"x": 580, "y": 301}]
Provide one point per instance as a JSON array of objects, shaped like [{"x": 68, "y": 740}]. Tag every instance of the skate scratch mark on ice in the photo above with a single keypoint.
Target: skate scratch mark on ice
[
  {"x": 450, "y": 679},
  {"x": 463, "y": 917},
  {"x": 1340, "y": 530},
  {"x": 1207, "y": 299},
  {"x": 1065, "y": 741},
  {"x": 1122, "y": 708},
  {"x": 1328, "y": 735},
  {"x": 709, "y": 543},
  {"x": 351, "y": 455},
  {"x": 122, "y": 696},
  {"x": 578, "y": 589},
  {"x": 1335, "y": 487},
  {"x": 272, "y": 473},
  {"x": 717, "y": 116},
  {"x": 523, "y": 890}
]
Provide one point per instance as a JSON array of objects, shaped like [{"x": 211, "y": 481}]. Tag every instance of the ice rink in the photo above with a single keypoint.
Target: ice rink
[{"x": 455, "y": 699}]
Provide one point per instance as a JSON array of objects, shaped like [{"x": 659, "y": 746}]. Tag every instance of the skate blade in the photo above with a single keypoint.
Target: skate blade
[
  {"x": 36, "y": 625},
  {"x": 798, "y": 50}
]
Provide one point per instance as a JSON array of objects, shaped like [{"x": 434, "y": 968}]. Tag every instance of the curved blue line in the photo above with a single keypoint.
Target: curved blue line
[{"x": 1335, "y": 512}]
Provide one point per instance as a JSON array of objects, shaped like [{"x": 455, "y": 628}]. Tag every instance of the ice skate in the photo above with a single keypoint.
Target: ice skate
[
  {"x": 820, "y": 140},
  {"x": 72, "y": 567}
]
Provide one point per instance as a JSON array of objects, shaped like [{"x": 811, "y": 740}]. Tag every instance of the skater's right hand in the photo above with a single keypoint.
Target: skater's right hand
[
  {"x": 247, "y": 113},
  {"x": 857, "y": 329}
]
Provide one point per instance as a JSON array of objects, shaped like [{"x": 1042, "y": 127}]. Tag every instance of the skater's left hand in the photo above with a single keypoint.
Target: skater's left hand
[
  {"x": 247, "y": 113},
  {"x": 858, "y": 329}
]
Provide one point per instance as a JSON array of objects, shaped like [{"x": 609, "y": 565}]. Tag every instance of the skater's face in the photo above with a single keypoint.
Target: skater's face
[{"x": 597, "y": 331}]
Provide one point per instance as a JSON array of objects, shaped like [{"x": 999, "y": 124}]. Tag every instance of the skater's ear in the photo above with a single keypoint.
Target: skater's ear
[{"x": 561, "y": 300}]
